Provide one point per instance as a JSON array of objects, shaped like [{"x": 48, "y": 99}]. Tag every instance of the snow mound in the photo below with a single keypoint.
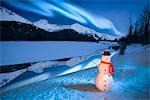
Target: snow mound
[
  {"x": 39, "y": 67},
  {"x": 7, "y": 77},
  {"x": 7, "y": 15}
]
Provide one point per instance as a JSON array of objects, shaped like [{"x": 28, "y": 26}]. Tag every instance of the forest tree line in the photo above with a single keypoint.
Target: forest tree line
[
  {"x": 140, "y": 32},
  {"x": 17, "y": 31}
]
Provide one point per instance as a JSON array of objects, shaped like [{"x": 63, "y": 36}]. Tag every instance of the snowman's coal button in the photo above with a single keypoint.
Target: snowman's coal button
[
  {"x": 105, "y": 81},
  {"x": 105, "y": 85}
]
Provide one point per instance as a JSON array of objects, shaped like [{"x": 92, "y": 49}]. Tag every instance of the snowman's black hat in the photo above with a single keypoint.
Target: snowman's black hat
[{"x": 106, "y": 53}]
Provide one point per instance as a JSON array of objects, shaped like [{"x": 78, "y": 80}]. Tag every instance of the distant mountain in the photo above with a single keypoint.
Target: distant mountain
[
  {"x": 43, "y": 24},
  {"x": 7, "y": 15},
  {"x": 18, "y": 24},
  {"x": 17, "y": 31},
  {"x": 53, "y": 27}
]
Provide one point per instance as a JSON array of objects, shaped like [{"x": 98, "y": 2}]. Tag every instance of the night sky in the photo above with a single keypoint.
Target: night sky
[{"x": 108, "y": 16}]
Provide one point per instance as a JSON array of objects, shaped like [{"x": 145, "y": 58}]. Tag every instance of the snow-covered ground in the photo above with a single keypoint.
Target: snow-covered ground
[
  {"x": 24, "y": 52},
  {"x": 136, "y": 55},
  {"x": 131, "y": 81},
  {"x": 7, "y": 77}
]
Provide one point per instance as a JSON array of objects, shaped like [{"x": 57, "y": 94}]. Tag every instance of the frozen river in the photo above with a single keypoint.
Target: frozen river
[{"x": 26, "y": 51}]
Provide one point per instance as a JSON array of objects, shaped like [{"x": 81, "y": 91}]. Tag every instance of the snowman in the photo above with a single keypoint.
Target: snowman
[{"x": 104, "y": 79}]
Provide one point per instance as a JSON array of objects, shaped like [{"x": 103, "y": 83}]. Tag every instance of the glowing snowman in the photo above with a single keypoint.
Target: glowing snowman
[{"x": 104, "y": 78}]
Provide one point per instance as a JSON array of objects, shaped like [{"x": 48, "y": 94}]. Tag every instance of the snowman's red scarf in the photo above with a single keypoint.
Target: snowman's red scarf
[{"x": 111, "y": 68}]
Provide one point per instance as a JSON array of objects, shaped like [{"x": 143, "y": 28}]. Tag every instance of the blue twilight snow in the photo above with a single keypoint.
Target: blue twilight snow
[{"x": 131, "y": 81}]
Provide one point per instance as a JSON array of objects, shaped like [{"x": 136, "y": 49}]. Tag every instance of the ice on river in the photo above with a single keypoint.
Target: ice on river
[{"x": 26, "y": 51}]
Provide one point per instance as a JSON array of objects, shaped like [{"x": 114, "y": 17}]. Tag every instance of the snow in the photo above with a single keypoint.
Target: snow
[
  {"x": 7, "y": 77},
  {"x": 39, "y": 67},
  {"x": 131, "y": 82},
  {"x": 25, "y": 52},
  {"x": 137, "y": 55},
  {"x": 7, "y": 15},
  {"x": 43, "y": 24},
  {"x": 74, "y": 63}
]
